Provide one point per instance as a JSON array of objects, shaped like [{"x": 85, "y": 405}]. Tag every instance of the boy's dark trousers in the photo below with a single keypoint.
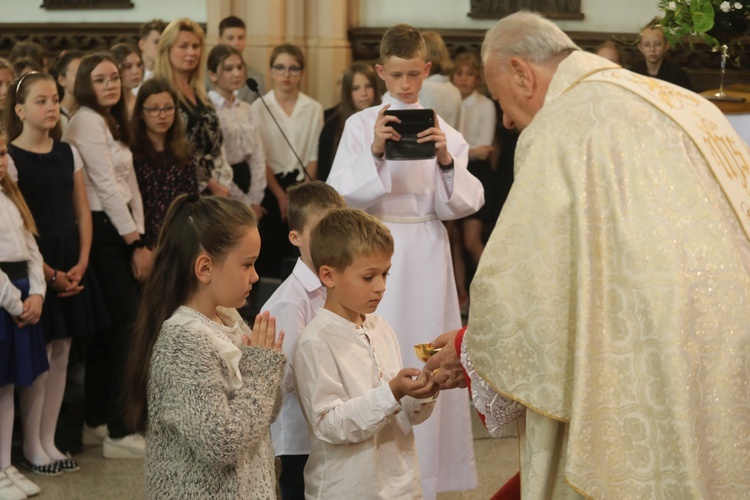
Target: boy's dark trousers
[{"x": 292, "y": 477}]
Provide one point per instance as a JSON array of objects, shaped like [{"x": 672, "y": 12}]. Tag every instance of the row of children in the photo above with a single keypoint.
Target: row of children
[
  {"x": 86, "y": 203},
  {"x": 653, "y": 46},
  {"x": 121, "y": 233}
]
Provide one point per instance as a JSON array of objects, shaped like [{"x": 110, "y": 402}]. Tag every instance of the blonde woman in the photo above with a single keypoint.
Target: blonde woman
[{"x": 181, "y": 61}]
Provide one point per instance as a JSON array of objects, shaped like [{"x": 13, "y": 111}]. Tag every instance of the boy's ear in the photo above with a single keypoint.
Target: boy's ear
[
  {"x": 294, "y": 238},
  {"x": 381, "y": 71},
  {"x": 203, "y": 268},
  {"x": 326, "y": 276},
  {"x": 141, "y": 41},
  {"x": 427, "y": 67}
]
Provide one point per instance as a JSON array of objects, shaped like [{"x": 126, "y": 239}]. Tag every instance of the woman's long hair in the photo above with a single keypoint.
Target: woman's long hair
[
  {"x": 117, "y": 116},
  {"x": 175, "y": 142},
  {"x": 163, "y": 67},
  {"x": 193, "y": 225},
  {"x": 346, "y": 107}
]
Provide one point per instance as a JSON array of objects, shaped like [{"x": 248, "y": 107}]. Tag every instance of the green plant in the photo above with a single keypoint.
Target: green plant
[{"x": 684, "y": 19}]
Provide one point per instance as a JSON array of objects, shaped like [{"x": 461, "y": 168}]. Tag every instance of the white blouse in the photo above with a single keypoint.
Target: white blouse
[
  {"x": 478, "y": 120},
  {"x": 294, "y": 304},
  {"x": 18, "y": 245},
  {"x": 242, "y": 142},
  {"x": 111, "y": 184},
  {"x": 440, "y": 94},
  {"x": 302, "y": 128}
]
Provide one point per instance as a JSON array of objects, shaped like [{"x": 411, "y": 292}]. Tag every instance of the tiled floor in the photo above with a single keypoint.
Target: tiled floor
[{"x": 99, "y": 478}]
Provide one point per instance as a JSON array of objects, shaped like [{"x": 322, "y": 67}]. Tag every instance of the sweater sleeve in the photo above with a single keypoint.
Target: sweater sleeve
[{"x": 189, "y": 392}]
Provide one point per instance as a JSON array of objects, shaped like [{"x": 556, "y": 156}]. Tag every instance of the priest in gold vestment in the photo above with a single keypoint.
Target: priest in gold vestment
[{"x": 610, "y": 313}]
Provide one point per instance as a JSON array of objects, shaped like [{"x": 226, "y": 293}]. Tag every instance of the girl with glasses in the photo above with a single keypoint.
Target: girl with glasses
[
  {"x": 301, "y": 118},
  {"x": 161, "y": 154},
  {"x": 100, "y": 130}
]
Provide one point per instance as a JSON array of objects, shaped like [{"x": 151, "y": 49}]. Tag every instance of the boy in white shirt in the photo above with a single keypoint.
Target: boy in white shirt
[
  {"x": 359, "y": 403},
  {"x": 413, "y": 198},
  {"x": 294, "y": 305}
]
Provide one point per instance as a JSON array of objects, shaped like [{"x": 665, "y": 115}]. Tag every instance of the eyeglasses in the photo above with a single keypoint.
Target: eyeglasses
[
  {"x": 102, "y": 82},
  {"x": 281, "y": 69},
  {"x": 154, "y": 112}
]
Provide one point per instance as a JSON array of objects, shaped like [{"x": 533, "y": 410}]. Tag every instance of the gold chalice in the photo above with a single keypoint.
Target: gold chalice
[{"x": 425, "y": 351}]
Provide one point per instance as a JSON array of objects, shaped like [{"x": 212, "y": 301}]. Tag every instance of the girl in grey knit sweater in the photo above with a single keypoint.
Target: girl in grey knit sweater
[{"x": 201, "y": 385}]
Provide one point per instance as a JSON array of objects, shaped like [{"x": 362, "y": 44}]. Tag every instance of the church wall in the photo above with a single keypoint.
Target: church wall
[
  {"x": 618, "y": 16},
  {"x": 29, "y": 11}
]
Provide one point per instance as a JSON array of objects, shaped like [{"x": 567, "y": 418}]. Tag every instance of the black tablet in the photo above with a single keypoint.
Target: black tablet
[{"x": 413, "y": 121}]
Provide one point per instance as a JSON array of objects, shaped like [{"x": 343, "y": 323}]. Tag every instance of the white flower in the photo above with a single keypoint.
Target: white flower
[
  {"x": 737, "y": 5},
  {"x": 672, "y": 6},
  {"x": 725, "y": 6}
]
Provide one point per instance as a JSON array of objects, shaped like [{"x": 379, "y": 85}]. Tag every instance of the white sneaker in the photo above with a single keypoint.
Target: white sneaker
[
  {"x": 19, "y": 481},
  {"x": 8, "y": 490},
  {"x": 132, "y": 446},
  {"x": 93, "y": 436}
]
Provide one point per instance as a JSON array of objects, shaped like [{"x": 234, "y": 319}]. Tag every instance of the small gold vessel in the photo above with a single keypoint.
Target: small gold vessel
[{"x": 425, "y": 351}]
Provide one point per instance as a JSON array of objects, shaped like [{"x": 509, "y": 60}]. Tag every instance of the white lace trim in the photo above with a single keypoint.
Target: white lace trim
[
  {"x": 221, "y": 336},
  {"x": 498, "y": 411}
]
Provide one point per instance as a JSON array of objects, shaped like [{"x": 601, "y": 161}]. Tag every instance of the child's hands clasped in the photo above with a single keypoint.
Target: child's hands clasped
[
  {"x": 32, "y": 311},
  {"x": 264, "y": 333},
  {"x": 65, "y": 286},
  {"x": 403, "y": 384}
]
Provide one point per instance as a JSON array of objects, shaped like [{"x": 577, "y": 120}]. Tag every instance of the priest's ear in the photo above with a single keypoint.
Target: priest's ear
[{"x": 523, "y": 75}]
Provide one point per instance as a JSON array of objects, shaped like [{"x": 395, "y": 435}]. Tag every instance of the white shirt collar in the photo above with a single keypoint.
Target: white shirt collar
[
  {"x": 306, "y": 276},
  {"x": 471, "y": 99},
  {"x": 219, "y": 100},
  {"x": 396, "y": 104}
]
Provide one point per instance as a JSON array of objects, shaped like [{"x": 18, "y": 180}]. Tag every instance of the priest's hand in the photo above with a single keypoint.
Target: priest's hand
[
  {"x": 445, "y": 365},
  {"x": 384, "y": 131}
]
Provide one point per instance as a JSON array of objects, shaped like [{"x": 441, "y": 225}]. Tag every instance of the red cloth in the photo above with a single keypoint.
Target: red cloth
[{"x": 510, "y": 490}]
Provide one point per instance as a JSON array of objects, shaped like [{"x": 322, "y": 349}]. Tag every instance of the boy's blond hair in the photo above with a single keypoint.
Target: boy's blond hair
[
  {"x": 653, "y": 24},
  {"x": 307, "y": 198},
  {"x": 346, "y": 233},
  {"x": 403, "y": 41}
]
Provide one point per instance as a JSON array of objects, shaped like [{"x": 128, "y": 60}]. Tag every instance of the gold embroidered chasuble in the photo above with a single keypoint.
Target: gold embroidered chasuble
[{"x": 613, "y": 300}]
